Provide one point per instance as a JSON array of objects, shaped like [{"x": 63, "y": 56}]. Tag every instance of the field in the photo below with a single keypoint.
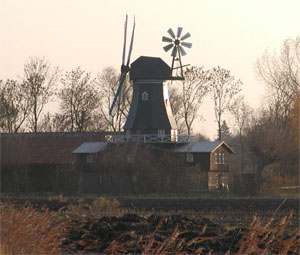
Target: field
[{"x": 159, "y": 226}]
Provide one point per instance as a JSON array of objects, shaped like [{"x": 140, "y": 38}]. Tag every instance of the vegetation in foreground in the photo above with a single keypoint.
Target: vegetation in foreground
[{"x": 85, "y": 228}]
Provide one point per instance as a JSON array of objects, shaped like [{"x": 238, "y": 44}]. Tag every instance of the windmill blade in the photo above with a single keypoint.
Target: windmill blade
[
  {"x": 124, "y": 45},
  {"x": 131, "y": 43},
  {"x": 171, "y": 33},
  {"x": 117, "y": 98},
  {"x": 182, "y": 51},
  {"x": 187, "y": 35},
  {"x": 179, "y": 30},
  {"x": 174, "y": 52},
  {"x": 168, "y": 47},
  {"x": 166, "y": 39},
  {"x": 186, "y": 44}
]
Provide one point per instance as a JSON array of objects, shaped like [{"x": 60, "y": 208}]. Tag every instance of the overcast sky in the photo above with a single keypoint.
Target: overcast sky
[{"x": 89, "y": 33}]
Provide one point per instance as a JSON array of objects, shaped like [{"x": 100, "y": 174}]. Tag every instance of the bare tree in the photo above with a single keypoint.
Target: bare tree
[
  {"x": 79, "y": 100},
  {"x": 14, "y": 106},
  {"x": 223, "y": 88},
  {"x": 268, "y": 138},
  {"x": 107, "y": 81},
  {"x": 281, "y": 73},
  {"x": 241, "y": 113},
  {"x": 38, "y": 84},
  {"x": 186, "y": 102}
]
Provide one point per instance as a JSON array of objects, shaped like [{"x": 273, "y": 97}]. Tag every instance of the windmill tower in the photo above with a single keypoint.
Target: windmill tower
[
  {"x": 150, "y": 116},
  {"x": 150, "y": 110}
]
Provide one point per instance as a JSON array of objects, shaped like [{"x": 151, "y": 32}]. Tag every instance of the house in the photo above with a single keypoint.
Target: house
[
  {"x": 191, "y": 167},
  {"x": 212, "y": 158}
]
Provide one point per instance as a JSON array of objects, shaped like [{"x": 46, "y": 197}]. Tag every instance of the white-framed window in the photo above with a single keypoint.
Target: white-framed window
[
  {"x": 174, "y": 135},
  {"x": 161, "y": 132},
  {"x": 89, "y": 158},
  {"x": 190, "y": 157},
  {"x": 145, "y": 96},
  {"x": 220, "y": 158},
  {"x": 223, "y": 158}
]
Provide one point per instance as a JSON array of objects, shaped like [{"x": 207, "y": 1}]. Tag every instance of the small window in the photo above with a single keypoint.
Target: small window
[
  {"x": 145, "y": 96},
  {"x": 190, "y": 157},
  {"x": 130, "y": 158},
  {"x": 219, "y": 158},
  {"x": 161, "y": 132},
  {"x": 89, "y": 158},
  {"x": 100, "y": 179},
  {"x": 134, "y": 178}
]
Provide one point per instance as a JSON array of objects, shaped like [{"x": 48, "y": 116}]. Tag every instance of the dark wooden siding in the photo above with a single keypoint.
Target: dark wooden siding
[{"x": 202, "y": 159}]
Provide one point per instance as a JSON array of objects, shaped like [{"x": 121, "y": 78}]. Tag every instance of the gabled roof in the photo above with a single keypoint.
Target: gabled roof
[
  {"x": 203, "y": 146},
  {"x": 44, "y": 148},
  {"x": 91, "y": 147}
]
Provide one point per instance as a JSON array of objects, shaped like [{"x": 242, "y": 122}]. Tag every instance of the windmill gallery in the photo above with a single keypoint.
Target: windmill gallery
[{"x": 149, "y": 156}]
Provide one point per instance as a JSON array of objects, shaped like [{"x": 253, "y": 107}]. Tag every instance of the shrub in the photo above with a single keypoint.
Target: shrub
[{"x": 104, "y": 204}]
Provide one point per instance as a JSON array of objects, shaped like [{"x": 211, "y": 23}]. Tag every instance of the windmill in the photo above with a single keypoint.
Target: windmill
[
  {"x": 124, "y": 70},
  {"x": 176, "y": 43}
]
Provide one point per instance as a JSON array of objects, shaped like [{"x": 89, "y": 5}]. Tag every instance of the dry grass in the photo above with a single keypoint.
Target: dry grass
[
  {"x": 28, "y": 231},
  {"x": 264, "y": 239},
  {"x": 259, "y": 239}
]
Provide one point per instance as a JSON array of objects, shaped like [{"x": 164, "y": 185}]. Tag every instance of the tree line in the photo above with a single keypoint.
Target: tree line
[
  {"x": 260, "y": 137},
  {"x": 84, "y": 101}
]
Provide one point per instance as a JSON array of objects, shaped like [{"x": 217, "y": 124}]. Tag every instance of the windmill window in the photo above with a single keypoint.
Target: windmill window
[
  {"x": 190, "y": 157},
  {"x": 145, "y": 96}
]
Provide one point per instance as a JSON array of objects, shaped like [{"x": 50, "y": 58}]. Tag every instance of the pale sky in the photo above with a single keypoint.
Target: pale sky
[{"x": 231, "y": 34}]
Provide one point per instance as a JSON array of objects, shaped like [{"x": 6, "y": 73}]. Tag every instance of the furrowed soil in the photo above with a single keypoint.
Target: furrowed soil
[
  {"x": 130, "y": 233},
  {"x": 207, "y": 224}
]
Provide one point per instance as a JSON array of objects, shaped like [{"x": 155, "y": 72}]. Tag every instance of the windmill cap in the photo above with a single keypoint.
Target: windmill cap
[{"x": 150, "y": 68}]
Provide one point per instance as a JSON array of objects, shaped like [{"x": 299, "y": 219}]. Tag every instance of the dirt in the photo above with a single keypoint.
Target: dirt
[{"x": 132, "y": 231}]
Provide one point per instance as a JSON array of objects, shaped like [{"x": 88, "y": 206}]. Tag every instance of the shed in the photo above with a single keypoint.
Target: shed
[{"x": 212, "y": 158}]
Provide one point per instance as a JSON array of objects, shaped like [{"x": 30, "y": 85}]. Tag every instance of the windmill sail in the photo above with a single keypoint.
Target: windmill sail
[{"x": 124, "y": 70}]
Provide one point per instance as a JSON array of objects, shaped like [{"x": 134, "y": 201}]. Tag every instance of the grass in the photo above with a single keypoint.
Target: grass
[
  {"x": 203, "y": 195},
  {"x": 29, "y": 231}
]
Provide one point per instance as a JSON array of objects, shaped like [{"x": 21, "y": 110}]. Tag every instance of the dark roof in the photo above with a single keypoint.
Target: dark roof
[
  {"x": 149, "y": 68},
  {"x": 44, "y": 148},
  {"x": 203, "y": 146}
]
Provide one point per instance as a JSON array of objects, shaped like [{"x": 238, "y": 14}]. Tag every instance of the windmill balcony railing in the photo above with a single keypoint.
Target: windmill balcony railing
[{"x": 149, "y": 138}]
